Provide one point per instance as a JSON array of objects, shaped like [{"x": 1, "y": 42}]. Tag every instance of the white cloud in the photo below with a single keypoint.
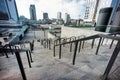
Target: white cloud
[{"x": 73, "y": 7}]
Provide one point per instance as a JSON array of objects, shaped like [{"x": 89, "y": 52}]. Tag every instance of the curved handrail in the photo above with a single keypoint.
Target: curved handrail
[{"x": 93, "y": 37}]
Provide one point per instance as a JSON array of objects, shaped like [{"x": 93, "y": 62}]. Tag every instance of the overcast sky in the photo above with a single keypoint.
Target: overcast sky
[{"x": 76, "y": 8}]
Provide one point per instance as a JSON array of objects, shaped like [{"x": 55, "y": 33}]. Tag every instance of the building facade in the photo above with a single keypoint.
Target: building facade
[
  {"x": 32, "y": 12},
  {"x": 90, "y": 8},
  {"x": 45, "y": 16},
  {"x": 59, "y": 15},
  {"x": 67, "y": 18},
  {"x": 8, "y": 11}
]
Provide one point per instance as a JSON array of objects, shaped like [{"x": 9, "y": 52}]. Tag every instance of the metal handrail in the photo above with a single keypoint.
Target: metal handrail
[
  {"x": 92, "y": 37},
  {"x": 112, "y": 36},
  {"x": 46, "y": 42}
]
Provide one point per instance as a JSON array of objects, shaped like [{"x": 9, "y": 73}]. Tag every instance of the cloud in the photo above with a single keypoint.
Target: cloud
[{"x": 72, "y": 7}]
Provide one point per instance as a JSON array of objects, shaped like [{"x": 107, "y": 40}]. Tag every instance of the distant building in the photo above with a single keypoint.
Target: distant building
[
  {"x": 67, "y": 18},
  {"x": 90, "y": 8},
  {"x": 59, "y": 18},
  {"x": 45, "y": 16},
  {"x": 32, "y": 12},
  {"x": 59, "y": 15}
]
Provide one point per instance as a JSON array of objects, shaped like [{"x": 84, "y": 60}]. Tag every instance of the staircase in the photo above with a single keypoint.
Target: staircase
[{"x": 87, "y": 65}]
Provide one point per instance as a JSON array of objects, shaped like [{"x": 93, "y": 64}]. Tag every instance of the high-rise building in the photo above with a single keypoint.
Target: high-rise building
[
  {"x": 90, "y": 8},
  {"x": 67, "y": 18},
  {"x": 32, "y": 12},
  {"x": 45, "y": 16},
  {"x": 59, "y": 15}
]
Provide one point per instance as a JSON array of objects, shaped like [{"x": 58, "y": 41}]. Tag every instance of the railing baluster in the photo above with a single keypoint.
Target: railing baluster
[
  {"x": 75, "y": 51},
  {"x": 111, "y": 43},
  {"x": 28, "y": 59},
  {"x": 93, "y": 41},
  {"x": 98, "y": 46},
  {"x": 111, "y": 61},
  {"x": 60, "y": 47},
  {"x": 79, "y": 47},
  {"x": 102, "y": 41},
  {"x": 30, "y": 56},
  {"x": 54, "y": 51},
  {"x": 49, "y": 44},
  {"x": 70, "y": 47},
  {"x": 83, "y": 43},
  {"x": 20, "y": 65}
]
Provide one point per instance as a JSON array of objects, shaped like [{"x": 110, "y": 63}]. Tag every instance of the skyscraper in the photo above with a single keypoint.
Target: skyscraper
[
  {"x": 59, "y": 15},
  {"x": 67, "y": 18},
  {"x": 32, "y": 12},
  {"x": 90, "y": 8},
  {"x": 45, "y": 16},
  {"x": 102, "y": 4}
]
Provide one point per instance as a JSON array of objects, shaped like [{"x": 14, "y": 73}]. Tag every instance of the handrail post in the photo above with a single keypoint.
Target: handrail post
[
  {"x": 60, "y": 49},
  {"x": 79, "y": 47},
  {"x": 29, "y": 62},
  {"x": 70, "y": 47},
  {"x": 93, "y": 41},
  {"x": 30, "y": 56},
  {"x": 98, "y": 46},
  {"x": 102, "y": 41},
  {"x": 54, "y": 48},
  {"x": 111, "y": 61},
  {"x": 111, "y": 43},
  {"x": 75, "y": 51},
  {"x": 49, "y": 44},
  {"x": 54, "y": 51},
  {"x": 41, "y": 42},
  {"x": 83, "y": 43},
  {"x": 20, "y": 65}
]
